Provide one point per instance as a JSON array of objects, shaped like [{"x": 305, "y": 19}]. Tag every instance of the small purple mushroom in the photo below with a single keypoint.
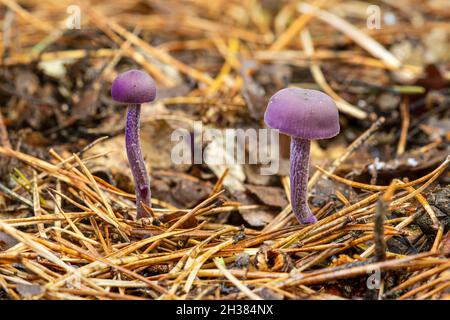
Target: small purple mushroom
[
  {"x": 135, "y": 87},
  {"x": 304, "y": 115}
]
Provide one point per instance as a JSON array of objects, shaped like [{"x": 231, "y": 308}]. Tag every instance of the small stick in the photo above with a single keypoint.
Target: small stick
[
  {"x": 423, "y": 287},
  {"x": 324, "y": 276},
  {"x": 218, "y": 186},
  {"x": 426, "y": 206},
  {"x": 371, "y": 187},
  {"x": 57, "y": 55},
  {"x": 75, "y": 228},
  {"x": 404, "y": 112}
]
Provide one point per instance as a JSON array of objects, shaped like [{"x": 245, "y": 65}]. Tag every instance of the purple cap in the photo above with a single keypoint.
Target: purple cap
[
  {"x": 303, "y": 113},
  {"x": 133, "y": 86}
]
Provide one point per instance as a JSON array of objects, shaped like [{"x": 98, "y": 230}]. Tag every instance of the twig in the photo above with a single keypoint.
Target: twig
[
  {"x": 349, "y": 150},
  {"x": 235, "y": 281},
  {"x": 342, "y": 105}
]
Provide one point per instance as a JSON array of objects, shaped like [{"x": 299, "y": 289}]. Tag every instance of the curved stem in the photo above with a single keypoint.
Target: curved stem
[
  {"x": 136, "y": 161},
  {"x": 299, "y": 173}
]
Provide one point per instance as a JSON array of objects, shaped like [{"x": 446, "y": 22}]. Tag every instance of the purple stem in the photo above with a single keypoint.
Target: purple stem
[
  {"x": 136, "y": 161},
  {"x": 299, "y": 180}
]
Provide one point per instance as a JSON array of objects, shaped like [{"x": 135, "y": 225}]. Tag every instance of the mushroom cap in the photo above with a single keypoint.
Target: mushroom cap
[
  {"x": 303, "y": 113},
  {"x": 133, "y": 86}
]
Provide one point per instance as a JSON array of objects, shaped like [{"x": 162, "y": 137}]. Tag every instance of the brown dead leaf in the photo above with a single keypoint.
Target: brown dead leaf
[{"x": 271, "y": 196}]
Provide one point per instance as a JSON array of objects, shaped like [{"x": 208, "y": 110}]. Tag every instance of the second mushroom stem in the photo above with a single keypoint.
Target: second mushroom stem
[
  {"x": 136, "y": 160},
  {"x": 299, "y": 180}
]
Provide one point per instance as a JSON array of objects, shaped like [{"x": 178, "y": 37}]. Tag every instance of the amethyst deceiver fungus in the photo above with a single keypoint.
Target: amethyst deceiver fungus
[
  {"x": 135, "y": 87},
  {"x": 304, "y": 115}
]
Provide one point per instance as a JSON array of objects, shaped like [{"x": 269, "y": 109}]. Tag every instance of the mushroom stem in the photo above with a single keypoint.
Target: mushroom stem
[
  {"x": 299, "y": 168},
  {"x": 136, "y": 161}
]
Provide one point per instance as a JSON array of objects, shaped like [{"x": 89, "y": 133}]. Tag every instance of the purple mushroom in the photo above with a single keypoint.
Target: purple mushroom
[
  {"x": 135, "y": 87},
  {"x": 304, "y": 115}
]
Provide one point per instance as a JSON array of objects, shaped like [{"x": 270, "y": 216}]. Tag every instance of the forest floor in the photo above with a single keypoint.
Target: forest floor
[{"x": 380, "y": 189}]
